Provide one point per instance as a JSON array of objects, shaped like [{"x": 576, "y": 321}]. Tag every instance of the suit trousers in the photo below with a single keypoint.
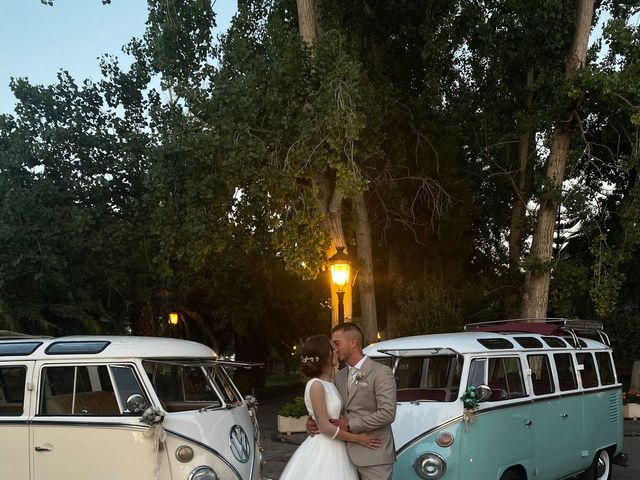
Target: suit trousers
[{"x": 375, "y": 472}]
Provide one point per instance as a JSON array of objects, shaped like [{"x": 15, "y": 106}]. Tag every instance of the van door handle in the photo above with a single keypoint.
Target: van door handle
[
  {"x": 42, "y": 449},
  {"x": 564, "y": 415},
  {"x": 528, "y": 423}
]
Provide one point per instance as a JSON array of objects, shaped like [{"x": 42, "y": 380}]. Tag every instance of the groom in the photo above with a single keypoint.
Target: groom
[{"x": 368, "y": 390}]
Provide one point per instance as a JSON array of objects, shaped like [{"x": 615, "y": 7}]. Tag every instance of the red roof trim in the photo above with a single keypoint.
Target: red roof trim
[{"x": 520, "y": 327}]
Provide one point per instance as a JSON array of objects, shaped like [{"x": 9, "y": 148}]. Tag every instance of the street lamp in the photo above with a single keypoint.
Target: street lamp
[
  {"x": 174, "y": 318},
  {"x": 340, "y": 264}
]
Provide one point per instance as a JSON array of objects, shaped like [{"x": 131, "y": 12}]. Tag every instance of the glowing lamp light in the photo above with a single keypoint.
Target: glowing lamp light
[
  {"x": 174, "y": 318},
  {"x": 340, "y": 265}
]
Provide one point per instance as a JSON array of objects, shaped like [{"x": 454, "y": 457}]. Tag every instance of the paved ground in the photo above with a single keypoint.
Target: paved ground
[{"x": 277, "y": 449}]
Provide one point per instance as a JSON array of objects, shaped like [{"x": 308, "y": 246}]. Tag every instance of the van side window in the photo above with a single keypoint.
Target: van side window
[
  {"x": 588, "y": 374},
  {"x": 477, "y": 372},
  {"x": 126, "y": 383},
  {"x": 605, "y": 368},
  {"x": 12, "y": 382},
  {"x": 77, "y": 390},
  {"x": 409, "y": 372},
  {"x": 507, "y": 374},
  {"x": 566, "y": 371},
  {"x": 434, "y": 377},
  {"x": 503, "y": 375},
  {"x": 541, "y": 376}
]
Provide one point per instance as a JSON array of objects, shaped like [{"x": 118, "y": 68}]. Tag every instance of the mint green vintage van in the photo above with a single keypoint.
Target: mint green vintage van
[{"x": 543, "y": 399}]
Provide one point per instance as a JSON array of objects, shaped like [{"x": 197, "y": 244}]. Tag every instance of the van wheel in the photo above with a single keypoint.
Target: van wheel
[
  {"x": 600, "y": 468},
  {"x": 511, "y": 475}
]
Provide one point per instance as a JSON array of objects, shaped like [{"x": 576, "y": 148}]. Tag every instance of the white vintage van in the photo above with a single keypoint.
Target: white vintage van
[
  {"x": 547, "y": 401},
  {"x": 71, "y": 408}
]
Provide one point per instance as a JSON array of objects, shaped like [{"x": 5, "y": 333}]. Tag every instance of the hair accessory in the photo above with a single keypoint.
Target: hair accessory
[{"x": 310, "y": 359}]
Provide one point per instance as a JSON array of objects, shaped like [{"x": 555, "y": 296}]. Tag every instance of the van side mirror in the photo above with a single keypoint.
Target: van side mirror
[
  {"x": 136, "y": 403},
  {"x": 483, "y": 393}
]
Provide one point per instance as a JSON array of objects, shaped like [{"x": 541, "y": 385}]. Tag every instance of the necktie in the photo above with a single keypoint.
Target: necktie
[{"x": 352, "y": 374}]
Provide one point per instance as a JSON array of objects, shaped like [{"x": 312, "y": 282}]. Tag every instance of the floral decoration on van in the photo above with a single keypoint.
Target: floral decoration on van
[
  {"x": 631, "y": 396},
  {"x": 252, "y": 401},
  {"x": 470, "y": 399},
  {"x": 152, "y": 415},
  {"x": 470, "y": 402}
]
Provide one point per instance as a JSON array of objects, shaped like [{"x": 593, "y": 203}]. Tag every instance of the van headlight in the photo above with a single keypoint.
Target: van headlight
[
  {"x": 430, "y": 466},
  {"x": 203, "y": 473}
]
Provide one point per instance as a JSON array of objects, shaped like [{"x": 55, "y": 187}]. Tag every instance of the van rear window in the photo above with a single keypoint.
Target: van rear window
[
  {"x": 605, "y": 368},
  {"x": 588, "y": 374}
]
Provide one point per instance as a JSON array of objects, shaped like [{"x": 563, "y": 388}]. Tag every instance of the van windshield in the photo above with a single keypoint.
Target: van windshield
[
  {"x": 183, "y": 385},
  {"x": 428, "y": 378}
]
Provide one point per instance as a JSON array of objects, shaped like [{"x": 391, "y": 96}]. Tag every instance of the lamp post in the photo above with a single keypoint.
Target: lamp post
[
  {"x": 174, "y": 318},
  {"x": 340, "y": 264}
]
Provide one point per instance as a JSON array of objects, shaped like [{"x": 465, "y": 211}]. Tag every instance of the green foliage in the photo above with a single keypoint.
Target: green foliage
[
  {"x": 119, "y": 202},
  {"x": 295, "y": 408},
  {"x": 66, "y": 215},
  {"x": 427, "y": 308},
  {"x": 569, "y": 289},
  {"x": 535, "y": 265}
]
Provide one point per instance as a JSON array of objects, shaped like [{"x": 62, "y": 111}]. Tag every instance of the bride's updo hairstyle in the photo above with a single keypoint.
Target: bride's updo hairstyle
[{"x": 316, "y": 353}]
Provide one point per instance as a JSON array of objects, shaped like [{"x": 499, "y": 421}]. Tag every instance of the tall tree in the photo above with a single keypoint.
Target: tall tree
[{"x": 536, "y": 295}]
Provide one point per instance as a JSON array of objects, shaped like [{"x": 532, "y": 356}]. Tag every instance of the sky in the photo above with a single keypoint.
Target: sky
[{"x": 38, "y": 40}]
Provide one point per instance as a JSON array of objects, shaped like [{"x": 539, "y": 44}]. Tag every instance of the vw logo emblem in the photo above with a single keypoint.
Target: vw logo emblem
[{"x": 239, "y": 443}]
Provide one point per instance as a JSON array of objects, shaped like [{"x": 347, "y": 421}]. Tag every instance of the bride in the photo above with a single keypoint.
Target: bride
[{"x": 323, "y": 456}]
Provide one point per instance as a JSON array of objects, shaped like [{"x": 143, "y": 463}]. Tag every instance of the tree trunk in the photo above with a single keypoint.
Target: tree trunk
[
  {"x": 536, "y": 297},
  {"x": 307, "y": 20},
  {"x": 329, "y": 204},
  {"x": 393, "y": 276},
  {"x": 328, "y": 197},
  {"x": 366, "y": 285},
  {"x": 518, "y": 212}
]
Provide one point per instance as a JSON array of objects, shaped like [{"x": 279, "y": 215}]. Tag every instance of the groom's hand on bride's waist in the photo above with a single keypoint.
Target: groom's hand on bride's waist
[
  {"x": 312, "y": 427},
  {"x": 342, "y": 422}
]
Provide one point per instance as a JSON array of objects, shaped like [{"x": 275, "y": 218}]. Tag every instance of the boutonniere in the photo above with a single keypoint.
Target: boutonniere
[{"x": 358, "y": 380}]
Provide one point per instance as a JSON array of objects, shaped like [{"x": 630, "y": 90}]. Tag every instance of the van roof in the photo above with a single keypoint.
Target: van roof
[
  {"x": 98, "y": 346},
  {"x": 476, "y": 342}
]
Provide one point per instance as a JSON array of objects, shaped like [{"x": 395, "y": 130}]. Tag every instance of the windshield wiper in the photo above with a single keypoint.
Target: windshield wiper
[{"x": 213, "y": 406}]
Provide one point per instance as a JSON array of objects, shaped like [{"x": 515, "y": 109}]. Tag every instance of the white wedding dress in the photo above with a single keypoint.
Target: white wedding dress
[{"x": 320, "y": 457}]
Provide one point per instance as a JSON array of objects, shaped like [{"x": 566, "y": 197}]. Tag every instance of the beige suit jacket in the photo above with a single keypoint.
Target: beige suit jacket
[{"x": 370, "y": 406}]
